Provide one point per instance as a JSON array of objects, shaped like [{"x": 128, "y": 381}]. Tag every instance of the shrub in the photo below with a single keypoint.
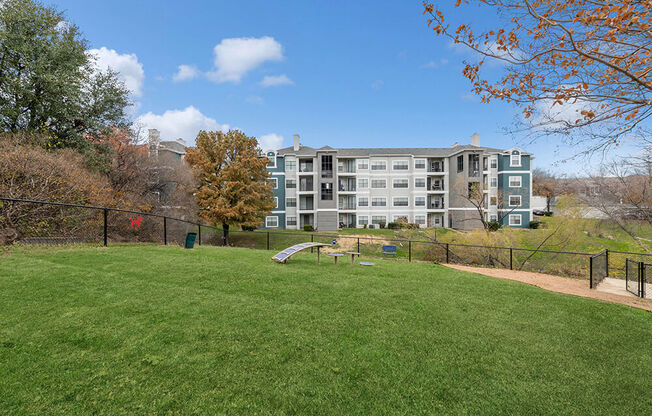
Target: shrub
[
  {"x": 548, "y": 213},
  {"x": 307, "y": 227},
  {"x": 249, "y": 228},
  {"x": 381, "y": 224},
  {"x": 493, "y": 225},
  {"x": 364, "y": 226},
  {"x": 393, "y": 225},
  {"x": 535, "y": 224}
]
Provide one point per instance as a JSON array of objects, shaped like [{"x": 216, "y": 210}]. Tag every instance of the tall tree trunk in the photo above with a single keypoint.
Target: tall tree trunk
[{"x": 225, "y": 228}]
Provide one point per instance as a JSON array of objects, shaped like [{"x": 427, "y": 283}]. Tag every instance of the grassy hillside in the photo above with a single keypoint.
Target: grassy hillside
[{"x": 162, "y": 330}]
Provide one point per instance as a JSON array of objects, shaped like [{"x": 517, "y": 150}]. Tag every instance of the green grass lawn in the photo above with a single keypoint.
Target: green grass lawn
[{"x": 161, "y": 330}]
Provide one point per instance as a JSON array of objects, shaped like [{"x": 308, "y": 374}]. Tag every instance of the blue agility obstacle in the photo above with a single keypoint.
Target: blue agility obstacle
[{"x": 283, "y": 256}]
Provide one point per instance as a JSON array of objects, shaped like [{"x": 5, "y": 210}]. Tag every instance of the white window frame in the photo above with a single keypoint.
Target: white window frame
[
  {"x": 269, "y": 217},
  {"x": 275, "y": 157},
  {"x": 425, "y": 163},
  {"x": 520, "y": 200},
  {"x": 420, "y": 205},
  {"x": 287, "y": 161},
  {"x": 295, "y": 184},
  {"x": 402, "y": 162},
  {"x": 379, "y": 198},
  {"x": 360, "y": 183},
  {"x": 288, "y": 205},
  {"x": 275, "y": 182},
  {"x": 287, "y": 221},
  {"x": 493, "y": 218},
  {"x": 365, "y": 163},
  {"x": 425, "y": 182},
  {"x": 520, "y": 181},
  {"x": 514, "y": 216},
  {"x": 360, "y": 199},
  {"x": 406, "y": 180},
  {"x": 511, "y": 160},
  {"x": 493, "y": 163},
  {"x": 276, "y": 201},
  {"x": 384, "y": 219},
  {"x": 418, "y": 218},
  {"x": 375, "y": 187},
  {"x": 407, "y": 200},
  {"x": 383, "y": 162},
  {"x": 363, "y": 219},
  {"x": 494, "y": 182}
]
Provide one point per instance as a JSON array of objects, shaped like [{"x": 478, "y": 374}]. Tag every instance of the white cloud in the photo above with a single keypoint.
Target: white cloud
[
  {"x": 378, "y": 84},
  {"x": 270, "y": 141},
  {"x": 184, "y": 124},
  {"x": 129, "y": 70},
  {"x": 254, "y": 99},
  {"x": 185, "y": 73},
  {"x": 235, "y": 57},
  {"x": 550, "y": 117},
  {"x": 276, "y": 80}
]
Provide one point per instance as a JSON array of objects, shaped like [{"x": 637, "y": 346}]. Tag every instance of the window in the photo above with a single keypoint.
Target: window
[
  {"x": 436, "y": 166},
  {"x": 514, "y": 200},
  {"x": 379, "y": 165},
  {"x": 271, "y": 160},
  {"x": 326, "y": 162},
  {"x": 290, "y": 183},
  {"x": 276, "y": 202},
  {"x": 420, "y": 219},
  {"x": 363, "y": 219},
  {"x": 290, "y": 165},
  {"x": 494, "y": 163},
  {"x": 271, "y": 221},
  {"x": 379, "y": 183},
  {"x": 494, "y": 182},
  {"x": 401, "y": 201},
  {"x": 492, "y": 200},
  {"x": 274, "y": 182},
  {"x": 363, "y": 202},
  {"x": 363, "y": 164},
  {"x": 400, "y": 165},
  {"x": 419, "y": 182},
  {"x": 291, "y": 221},
  {"x": 460, "y": 163},
  {"x": 515, "y": 219},
  {"x": 327, "y": 191},
  {"x": 379, "y": 202},
  {"x": 419, "y": 201},
  {"x": 401, "y": 183},
  {"x": 515, "y": 159},
  {"x": 493, "y": 218},
  {"x": 363, "y": 183},
  {"x": 419, "y": 163},
  {"x": 515, "y": 181},
  {"x": 485, "y": 164},
  {"x": 377, "y": 219},
  {"x": 290, "y": 202}
]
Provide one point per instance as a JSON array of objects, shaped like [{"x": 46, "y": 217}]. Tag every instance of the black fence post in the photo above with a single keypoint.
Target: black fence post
[
  {"x": 511, "y": 261},
  {"x": 447, "y": 254},
  {"x": 641, "y": 280},
  {"x": 165, "y": 231},
  {"x": 106, "y": 234},
  {"x": 312, "y": 240},
  {"x": 606, "y": 262},
  {"x": 267, "y": 240},
  {"x": 358, "y": 245},
  {"x": 591, "y": 272},
  {"x": 410, "y": 251},
  {"x": 199, "y": 234}
]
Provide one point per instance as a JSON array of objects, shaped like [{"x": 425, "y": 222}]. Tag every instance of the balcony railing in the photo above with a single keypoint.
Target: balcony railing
[
  {"x": 305, "y": 168},
  {"x": 434, "y": 168},
  {"x": 306, "y": 187},
  {"x": 342, "y": 187},
  {"x": 433, "y": 187},
  {"x": 346, "y": 206},
  {"x": 346, "y": 169},
  {"x": 306, "y": 207},
  {"x": 436, "y": 205}
]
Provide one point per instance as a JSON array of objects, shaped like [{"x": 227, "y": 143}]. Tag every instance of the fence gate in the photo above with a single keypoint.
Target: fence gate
[
  {"x": 635, "y": 277},
  {"x": 598, "y": 268}
]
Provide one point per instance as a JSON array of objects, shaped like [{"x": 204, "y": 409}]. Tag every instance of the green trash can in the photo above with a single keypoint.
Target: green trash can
[{"x": 190, "y": 240}]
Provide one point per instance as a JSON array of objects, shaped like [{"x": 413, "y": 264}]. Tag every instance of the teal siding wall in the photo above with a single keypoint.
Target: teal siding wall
[
  {"x": 503, "y": 163},
  {"x": 524, "y": 191},
  {"x": 525, "y": 219},
  {"x": 279, "y": 192}
]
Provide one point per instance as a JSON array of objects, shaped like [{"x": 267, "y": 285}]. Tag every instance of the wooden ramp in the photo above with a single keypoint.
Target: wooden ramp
[{"x": 284, "y": 255}]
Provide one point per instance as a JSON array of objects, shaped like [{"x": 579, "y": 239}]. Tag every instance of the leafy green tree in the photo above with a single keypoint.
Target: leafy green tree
[
  {"x": 233, "y": 181},
  {"x": 48, "y": 83}
]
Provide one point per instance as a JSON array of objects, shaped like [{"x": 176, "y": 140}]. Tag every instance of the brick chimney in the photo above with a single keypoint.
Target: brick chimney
[
  {"x": 475, "y": 139},
  {"x": 296, "y": 142}
]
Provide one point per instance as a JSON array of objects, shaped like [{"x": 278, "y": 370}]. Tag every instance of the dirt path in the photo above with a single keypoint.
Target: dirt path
[{"x": 557, "y": 284}]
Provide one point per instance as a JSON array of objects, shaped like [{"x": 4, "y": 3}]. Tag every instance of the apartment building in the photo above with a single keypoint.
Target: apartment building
[{"x": 433, "y": 187}]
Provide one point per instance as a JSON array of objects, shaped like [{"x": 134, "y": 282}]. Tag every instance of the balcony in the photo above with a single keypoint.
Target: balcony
[
  {"x": 306, "y": 204},
  {"x": 436, "y": 204},
  {"x": 436, "y": 168},
  {"x": 305, "y": 186},
  {"x": 347, "y": 167},
  {"x": 346, "y": 186},
  {"x": 305, "y": 166},
  {"x": 435, "y": 186}
]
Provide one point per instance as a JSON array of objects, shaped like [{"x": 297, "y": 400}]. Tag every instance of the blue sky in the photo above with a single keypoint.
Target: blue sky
[{"x": 348, "y": 73}]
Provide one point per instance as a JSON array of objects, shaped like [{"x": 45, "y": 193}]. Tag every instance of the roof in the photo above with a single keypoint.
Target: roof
[
  {"x": 390, "y": 151},
  {"x": 173, "y": 146}
]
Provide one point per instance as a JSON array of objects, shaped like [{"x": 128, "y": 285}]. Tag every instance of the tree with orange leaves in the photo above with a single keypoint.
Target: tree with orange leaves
[
  {"x": 233, "y": 181},
  {"x": 591, "y": 56}
]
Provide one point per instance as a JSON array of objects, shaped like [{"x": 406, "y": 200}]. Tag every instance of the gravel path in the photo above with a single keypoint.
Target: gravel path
[{"x": 557, "y": 284}]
